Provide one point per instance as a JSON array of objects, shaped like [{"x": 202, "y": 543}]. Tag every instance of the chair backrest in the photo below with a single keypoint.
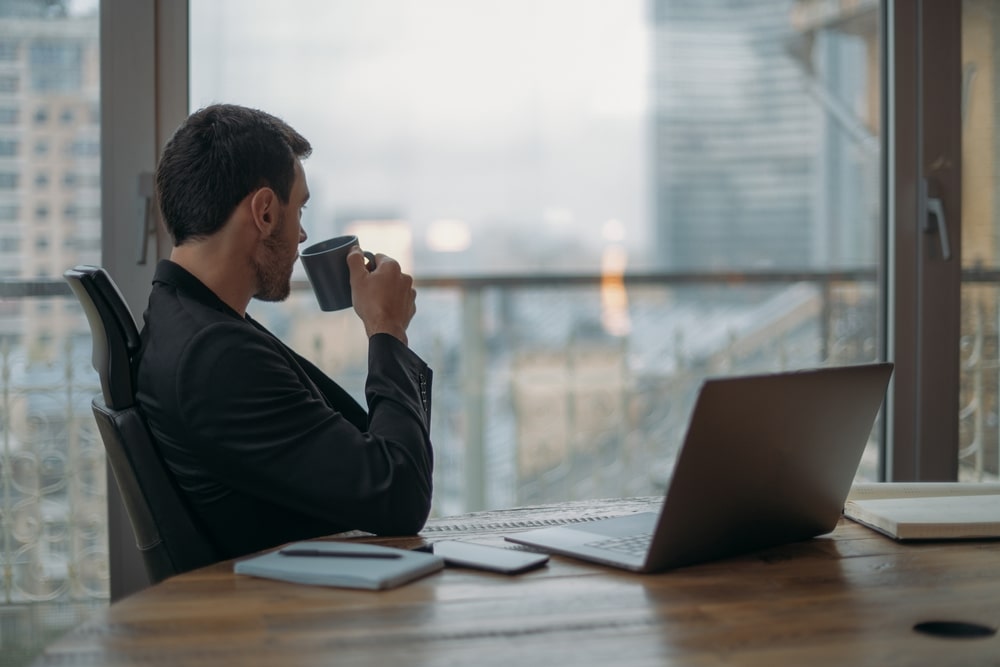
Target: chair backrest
[{"x": 166, "y": 531}]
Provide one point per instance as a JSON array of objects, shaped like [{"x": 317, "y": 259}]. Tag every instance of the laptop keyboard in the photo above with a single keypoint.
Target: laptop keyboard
[{"x": 633, "y": 545}]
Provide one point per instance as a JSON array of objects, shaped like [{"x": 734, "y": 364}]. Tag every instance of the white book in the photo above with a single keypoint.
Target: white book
[
  {"x": 341, "y": 564},
  {"x": 927, "y": 510},
  {"x": 867, "y": 490}
]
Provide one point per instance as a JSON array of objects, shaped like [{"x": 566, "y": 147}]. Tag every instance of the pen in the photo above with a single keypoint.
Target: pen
[{"x": 339, "y": 554}]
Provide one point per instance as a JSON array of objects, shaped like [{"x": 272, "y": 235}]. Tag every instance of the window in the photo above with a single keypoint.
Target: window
[
  {"x": 84, "y": 148},
  {"x": 60, "y": 465},
  {"x": 48, "y": 53},
  {"x": 90, "y": 179},
  {"x": 84, "y": 212},
  {"x": 55, "y": 66},
  {"x": 615, "y": 140},
  {"x": 91, "y": 244},
  {"x": 8, "y": 50}
]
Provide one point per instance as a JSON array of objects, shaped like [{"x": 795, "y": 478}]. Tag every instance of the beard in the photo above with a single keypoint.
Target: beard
[{"x": 273, "y": 266}]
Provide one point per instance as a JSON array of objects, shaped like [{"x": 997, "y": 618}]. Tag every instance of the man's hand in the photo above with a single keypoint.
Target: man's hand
[{"x": 383, "y": 298}]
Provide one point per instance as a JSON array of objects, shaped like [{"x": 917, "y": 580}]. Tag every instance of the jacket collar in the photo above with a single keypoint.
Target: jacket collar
[{"x": 174, "y": 275}]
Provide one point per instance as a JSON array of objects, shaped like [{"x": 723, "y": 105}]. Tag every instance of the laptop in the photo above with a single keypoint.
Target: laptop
[{"x": 767, "y": 460}]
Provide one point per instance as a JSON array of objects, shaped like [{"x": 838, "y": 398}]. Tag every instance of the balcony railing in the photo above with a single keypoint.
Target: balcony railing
[
  {"x": 566, "y": 386},
  {"x": 53, "y": 510}
]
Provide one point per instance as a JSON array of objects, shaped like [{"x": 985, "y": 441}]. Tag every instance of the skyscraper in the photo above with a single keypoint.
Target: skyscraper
[
  {"x": 761, "y": 157},
  {"x": 50, "y": 215}
]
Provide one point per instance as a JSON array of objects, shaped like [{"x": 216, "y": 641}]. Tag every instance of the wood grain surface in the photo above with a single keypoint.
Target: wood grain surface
[{"x": 849, "y": 598}]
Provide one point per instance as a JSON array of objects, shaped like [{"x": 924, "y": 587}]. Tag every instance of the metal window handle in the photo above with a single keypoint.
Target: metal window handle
[
  {"x": 932, "y": 216},
  {"x": 146, "y": 227}
]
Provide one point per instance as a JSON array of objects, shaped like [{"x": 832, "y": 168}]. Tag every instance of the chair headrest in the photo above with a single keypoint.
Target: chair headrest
[{"x": 116, "y": 338}]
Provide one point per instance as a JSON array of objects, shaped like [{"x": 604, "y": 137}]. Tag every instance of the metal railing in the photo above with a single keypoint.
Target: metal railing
[
  {"x": 53, "y": 510},
  {"x": 524, "y": 365}
]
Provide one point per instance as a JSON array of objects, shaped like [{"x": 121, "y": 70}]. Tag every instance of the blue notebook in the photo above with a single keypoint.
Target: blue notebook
[{"x": 341, "y": 564}]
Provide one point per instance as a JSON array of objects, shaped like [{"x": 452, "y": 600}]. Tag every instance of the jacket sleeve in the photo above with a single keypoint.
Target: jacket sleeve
[{"x": 263, "y": 428}]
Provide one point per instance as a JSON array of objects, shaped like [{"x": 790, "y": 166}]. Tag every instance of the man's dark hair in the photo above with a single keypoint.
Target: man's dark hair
[{"x": 218, "y": 156}]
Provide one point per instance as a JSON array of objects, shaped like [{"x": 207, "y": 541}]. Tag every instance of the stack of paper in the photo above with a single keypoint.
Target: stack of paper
[{"x": 927, "y": 510}]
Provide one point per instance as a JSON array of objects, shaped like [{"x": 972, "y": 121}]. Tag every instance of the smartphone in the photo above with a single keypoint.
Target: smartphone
[{"x": 492, "y": 559}]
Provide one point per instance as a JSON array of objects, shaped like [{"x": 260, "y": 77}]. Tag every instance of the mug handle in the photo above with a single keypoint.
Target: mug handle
[{"x": 371, "y": 260}]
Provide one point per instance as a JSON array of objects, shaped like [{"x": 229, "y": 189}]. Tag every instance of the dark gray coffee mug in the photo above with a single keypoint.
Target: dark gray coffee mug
[{"x": 326, "y": 267}]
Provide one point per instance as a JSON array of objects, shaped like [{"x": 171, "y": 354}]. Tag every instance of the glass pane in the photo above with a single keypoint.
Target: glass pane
[
  {"x": 53, "y": 532},
  {"x": 978, "y": 407},
  {"x": 602, "y": 203}
]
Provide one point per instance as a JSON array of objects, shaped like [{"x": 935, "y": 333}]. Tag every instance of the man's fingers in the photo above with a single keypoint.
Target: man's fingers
[
  {"x": 356, "y": 261},
  {"x": 386, "y": 261}
]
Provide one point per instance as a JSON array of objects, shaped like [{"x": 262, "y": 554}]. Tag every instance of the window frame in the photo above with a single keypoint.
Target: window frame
[
  {"x": 144, "y": 95},
  {"x": 923, "y": 39}
]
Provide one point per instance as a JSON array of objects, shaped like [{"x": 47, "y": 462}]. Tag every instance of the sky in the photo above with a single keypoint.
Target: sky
[
  {"x": 487, "y": 119},
  {"x": 82, "y": 7}
]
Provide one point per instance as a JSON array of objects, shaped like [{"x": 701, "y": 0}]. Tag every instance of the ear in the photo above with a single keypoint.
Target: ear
[{"x": 264, "y": 210}]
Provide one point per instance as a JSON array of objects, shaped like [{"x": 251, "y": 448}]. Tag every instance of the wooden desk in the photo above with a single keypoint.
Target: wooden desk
[{"x": 851, "y": 598}]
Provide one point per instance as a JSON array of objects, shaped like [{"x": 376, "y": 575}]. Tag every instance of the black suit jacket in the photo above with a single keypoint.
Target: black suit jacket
[{"x": 266, "y": 447}]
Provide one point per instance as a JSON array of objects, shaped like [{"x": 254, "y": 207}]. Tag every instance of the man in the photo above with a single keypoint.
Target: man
[{"x": 266, "y": 447}]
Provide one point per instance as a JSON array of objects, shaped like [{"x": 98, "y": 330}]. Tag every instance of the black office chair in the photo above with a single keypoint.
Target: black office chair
[{"x": 166, "y": 531}]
